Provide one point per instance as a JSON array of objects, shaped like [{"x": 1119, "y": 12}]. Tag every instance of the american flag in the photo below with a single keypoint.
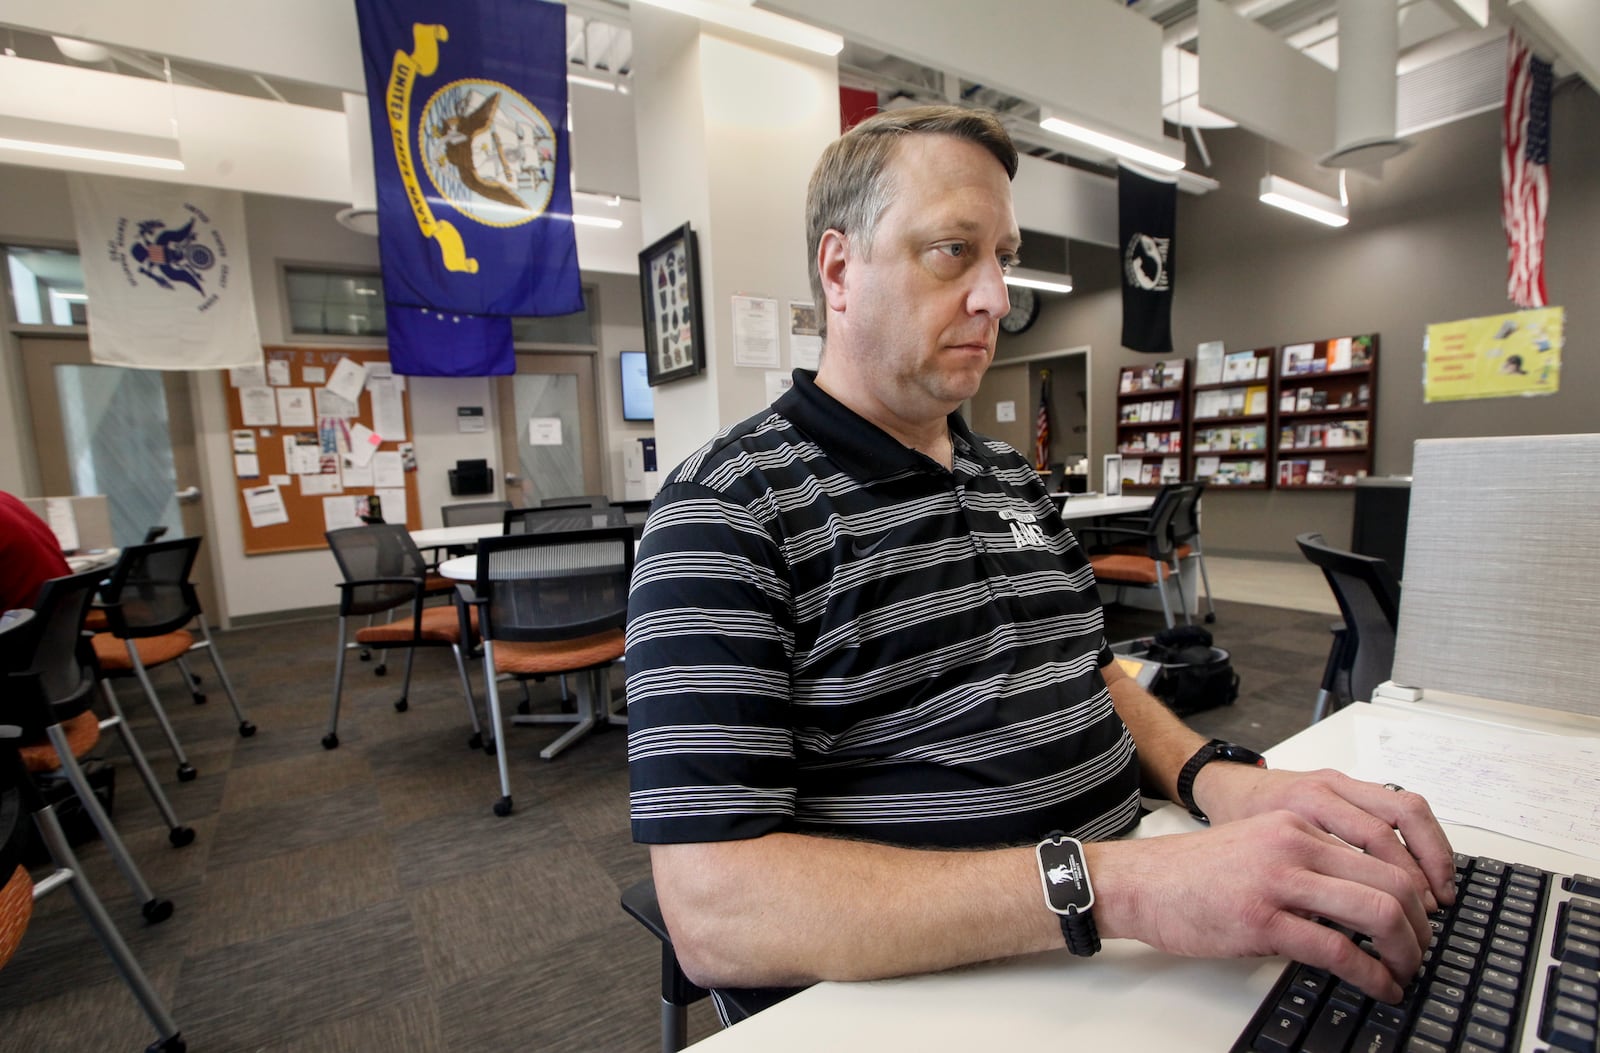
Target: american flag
[
  {"x": 1525, "y": 171},
  {"x": 1041, "y": 426}
]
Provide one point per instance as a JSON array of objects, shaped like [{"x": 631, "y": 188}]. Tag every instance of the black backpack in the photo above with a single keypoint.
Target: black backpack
[{"x": 1194, "y": 676}]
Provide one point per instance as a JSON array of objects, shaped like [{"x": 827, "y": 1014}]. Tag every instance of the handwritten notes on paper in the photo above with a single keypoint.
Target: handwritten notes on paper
[{"x": 1537, "y": 787}]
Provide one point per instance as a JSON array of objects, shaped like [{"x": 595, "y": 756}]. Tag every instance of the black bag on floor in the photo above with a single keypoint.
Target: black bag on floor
[{"x": 1194, "y": 676}]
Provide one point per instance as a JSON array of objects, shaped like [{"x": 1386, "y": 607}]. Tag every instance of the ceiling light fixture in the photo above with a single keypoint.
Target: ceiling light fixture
[
  {"x": 596, "y": 221},
  {"x": 1044, "y": 281},
  {"x": 1303, "y": 201},
  {"x": 54, "y": 139},
  {"x": 591, "y": 82},
  {"x": 1167, "y": 155},
  {"x": 756, "y": 22}
]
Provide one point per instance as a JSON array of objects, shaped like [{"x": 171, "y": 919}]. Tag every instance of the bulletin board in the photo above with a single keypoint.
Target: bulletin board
[{"x": 311, "y": 446}]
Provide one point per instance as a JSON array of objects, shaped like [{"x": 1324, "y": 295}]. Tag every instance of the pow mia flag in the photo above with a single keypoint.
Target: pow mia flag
[{"x": 1147, "y": 212}]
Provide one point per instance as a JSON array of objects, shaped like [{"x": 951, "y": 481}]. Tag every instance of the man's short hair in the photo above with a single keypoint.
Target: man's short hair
[{"x": 850, "y": 188}]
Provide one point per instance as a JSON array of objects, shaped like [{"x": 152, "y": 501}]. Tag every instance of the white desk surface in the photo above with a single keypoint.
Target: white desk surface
[
  {"x": 1128, "y": 997},
  {"x": 438, "y": 537},
  {"x": 461, "y": 568},
  {"x": 1090, "y": 507}
]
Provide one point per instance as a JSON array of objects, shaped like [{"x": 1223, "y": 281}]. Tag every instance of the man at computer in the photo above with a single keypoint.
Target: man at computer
[{"x": 874, "y": 725}]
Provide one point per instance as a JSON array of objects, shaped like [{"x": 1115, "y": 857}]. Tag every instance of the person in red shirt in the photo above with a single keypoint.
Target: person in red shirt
[{"x": 30, "y": 555}]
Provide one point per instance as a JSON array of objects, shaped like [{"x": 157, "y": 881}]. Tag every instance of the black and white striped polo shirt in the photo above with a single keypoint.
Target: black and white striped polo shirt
[{"x": 829, "y": 632}]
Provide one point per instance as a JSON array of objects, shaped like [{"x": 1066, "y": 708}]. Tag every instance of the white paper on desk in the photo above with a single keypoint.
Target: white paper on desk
[
  {"x": 341, "y": 512},
  {"x": 349, "y": 377},
  {"x": 320, "y": 483},
  {"x": 278, "y": 372},
  {"x": 265, "y": 506},
  {"x": 363, "y": 444},
  {"x": 63, "y": 522},
  {"x": 388, "y": 412},
  {"x": 258, "y": 406},
  {"x": 394, "y": 503},
  {"x": 294, "y": 408},
  {"x": 1532, "y": 786},
  {"x": 388, "y": 471}
]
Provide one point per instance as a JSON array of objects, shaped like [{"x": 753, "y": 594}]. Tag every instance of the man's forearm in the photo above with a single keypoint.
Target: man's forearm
[
  {"x": 1165, "y": 743},
  {"x": 790, "y": 909}
]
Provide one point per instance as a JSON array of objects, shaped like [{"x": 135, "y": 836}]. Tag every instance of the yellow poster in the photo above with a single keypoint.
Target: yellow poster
[{"x": 1494, "y": 357}]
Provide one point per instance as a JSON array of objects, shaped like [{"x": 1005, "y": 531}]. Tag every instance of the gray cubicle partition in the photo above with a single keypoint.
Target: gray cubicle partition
[{"x": 1502, "y": 588}]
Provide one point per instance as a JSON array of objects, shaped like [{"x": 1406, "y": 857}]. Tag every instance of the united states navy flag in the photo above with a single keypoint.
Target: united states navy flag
[
  {"x": 1147, "y": 215},
  {"x": 468, "y": 105}
]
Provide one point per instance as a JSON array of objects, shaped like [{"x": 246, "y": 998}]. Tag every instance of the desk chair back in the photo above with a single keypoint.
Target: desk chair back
[
  {"x": 555, "y": 585},
  {"x": 576, "y": 501},
  {"x": 1369, "y": 600},
  {"x": 473, "y": 513},
  {"x": 1057, "y": 479},
  {"x": 1186, "y": 537},
  {"x": 378, "y": 562},
  {"x": 562, "y": 520},
  {"x": 149, "y": 593},
  {"x": 20, "y": 801}
]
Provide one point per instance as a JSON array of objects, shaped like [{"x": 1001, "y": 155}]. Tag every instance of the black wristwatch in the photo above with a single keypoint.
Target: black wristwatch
[
  {"x": 1215, "y": 750},
  {"x": 1067, "y": 892}
]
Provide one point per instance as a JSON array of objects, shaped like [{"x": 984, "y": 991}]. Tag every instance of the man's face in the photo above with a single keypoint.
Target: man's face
[{"x": 923, "y": 309}]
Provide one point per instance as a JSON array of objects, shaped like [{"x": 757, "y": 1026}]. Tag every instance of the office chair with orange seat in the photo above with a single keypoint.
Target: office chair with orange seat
[
  {"x": 1152, "y": 567},
  {"x": 1185, "y": 534},
  {"x": 20, "y": 801},
  {"x": 549, "y": 603},
  {"x": 384, "y": 572},
  {"x": 150, "y": 605},
  {"x": 49, "y": 678}
]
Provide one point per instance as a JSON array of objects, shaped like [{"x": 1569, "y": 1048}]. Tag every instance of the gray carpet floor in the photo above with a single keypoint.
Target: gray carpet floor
[{"x": 366, "y": 899}]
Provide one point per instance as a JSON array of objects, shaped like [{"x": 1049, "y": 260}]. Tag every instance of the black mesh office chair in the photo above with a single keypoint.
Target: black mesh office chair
[
  {"x": 1368, "y": 595},
  {"x": 558, "y": 520},
  {"x": 21, "y": 801},
  {"x": 49, "y": 679},
  {"x": 551, "y": 603},
  {"x": 473, "y": 513},
  {"x": 1185, "y": 533},
  {"x": 384, "y": 572},
  {"x": 149, "y": 605},
  {"x": 576, "y": 501},
  {"x": 1148, "y": 554}
]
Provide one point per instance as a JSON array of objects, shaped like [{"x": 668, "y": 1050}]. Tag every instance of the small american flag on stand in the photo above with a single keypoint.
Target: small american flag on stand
[
  {"x": 1525, "y": 171},
  {"x": 1041, "y": 427}
]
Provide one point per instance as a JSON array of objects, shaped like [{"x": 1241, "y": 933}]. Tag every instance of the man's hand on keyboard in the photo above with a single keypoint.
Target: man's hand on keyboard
[
  {"x": 1251, "y": 887},
  {"x": 1397, "y": 827}
]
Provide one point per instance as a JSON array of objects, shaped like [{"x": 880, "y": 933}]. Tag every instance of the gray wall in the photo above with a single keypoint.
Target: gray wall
[{"x": 1424, "y": 245}]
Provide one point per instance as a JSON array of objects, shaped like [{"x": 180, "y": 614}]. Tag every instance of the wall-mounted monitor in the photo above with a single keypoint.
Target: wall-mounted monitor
[{"x": 638, "y": 400}]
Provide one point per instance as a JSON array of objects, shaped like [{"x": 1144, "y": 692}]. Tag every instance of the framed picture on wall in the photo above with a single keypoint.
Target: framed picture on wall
[{"x": 669, "y": 282}]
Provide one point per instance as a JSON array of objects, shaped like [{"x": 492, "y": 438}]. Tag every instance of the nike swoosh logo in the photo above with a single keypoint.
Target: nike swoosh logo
[{"x": 862, "y": 549}]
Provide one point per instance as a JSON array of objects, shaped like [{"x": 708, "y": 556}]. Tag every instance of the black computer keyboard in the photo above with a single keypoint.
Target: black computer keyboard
[{"x": 1512, "y": 967}]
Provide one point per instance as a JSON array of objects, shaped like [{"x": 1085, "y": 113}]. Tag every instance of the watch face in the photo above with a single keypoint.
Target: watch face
[
  {"x": 1024, "y": 309},
  {"x": 1065, "y": 877}
]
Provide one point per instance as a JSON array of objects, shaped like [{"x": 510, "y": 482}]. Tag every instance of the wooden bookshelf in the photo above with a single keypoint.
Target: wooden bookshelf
[
  {"x": 1152, "y": 407},
  {"x": 1324, "y": 398},
  {"x": 1231, "y": 424}
]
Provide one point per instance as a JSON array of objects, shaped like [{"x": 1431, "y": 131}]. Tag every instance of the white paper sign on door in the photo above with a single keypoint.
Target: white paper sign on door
[{"x": 544, "y": 431}]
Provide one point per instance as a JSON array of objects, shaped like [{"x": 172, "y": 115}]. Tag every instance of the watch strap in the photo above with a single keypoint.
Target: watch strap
[{"x": 1216, "y": 749}]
